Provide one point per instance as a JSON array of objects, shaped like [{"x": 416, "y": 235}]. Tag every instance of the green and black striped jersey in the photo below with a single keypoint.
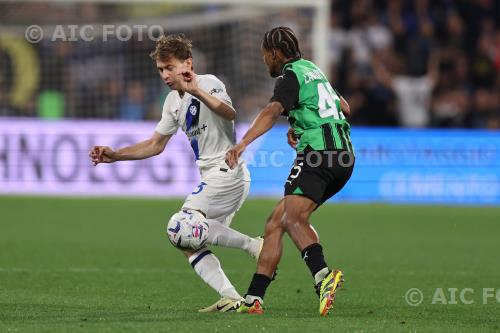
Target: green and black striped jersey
[{"x": 313, "y": 107}]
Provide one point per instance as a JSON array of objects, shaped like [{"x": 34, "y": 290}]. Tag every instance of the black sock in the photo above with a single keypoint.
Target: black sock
[
  {"x": 258, "y": 286},
  {"x": 313, "y": 256}
]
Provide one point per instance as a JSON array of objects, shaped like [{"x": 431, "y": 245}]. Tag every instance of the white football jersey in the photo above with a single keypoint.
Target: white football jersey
[{"x": 209, "y": 134}]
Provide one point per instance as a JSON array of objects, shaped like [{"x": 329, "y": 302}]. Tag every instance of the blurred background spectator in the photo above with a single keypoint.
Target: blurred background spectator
[
  {"x": 415, "y": 63},
  {"x": 418, "y": 63}
]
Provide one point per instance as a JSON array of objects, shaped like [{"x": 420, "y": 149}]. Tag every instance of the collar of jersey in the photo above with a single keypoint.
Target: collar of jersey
[{"x": 291, "y": 61}]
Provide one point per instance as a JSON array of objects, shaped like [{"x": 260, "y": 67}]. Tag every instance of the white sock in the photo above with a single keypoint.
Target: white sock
[
  {"x": 208, "y": 267},
  {"x": 221, "y": 235}
]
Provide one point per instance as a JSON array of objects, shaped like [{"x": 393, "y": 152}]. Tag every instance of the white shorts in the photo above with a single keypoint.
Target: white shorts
[{"x": 219, "y": 195}]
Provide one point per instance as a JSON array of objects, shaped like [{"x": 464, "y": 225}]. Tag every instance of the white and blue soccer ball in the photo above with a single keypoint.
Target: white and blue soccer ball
[{"x": 187, "y": 230}]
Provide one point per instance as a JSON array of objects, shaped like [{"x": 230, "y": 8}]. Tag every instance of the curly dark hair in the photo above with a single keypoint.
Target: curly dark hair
[{"x": 284, "y": 39}]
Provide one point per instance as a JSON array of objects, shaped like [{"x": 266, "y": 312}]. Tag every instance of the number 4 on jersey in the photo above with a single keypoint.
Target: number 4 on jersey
[{"x": 328, "y": 102}]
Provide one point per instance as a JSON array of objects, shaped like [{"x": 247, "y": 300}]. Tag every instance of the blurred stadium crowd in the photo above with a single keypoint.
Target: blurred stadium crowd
[{"x": 417, "y": 63}]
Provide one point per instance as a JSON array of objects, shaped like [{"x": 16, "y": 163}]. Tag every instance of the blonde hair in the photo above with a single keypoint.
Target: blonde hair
[{"x": 177, "y": 46}]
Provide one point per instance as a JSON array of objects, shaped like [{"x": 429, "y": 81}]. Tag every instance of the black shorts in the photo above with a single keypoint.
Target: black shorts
[{"x": 319, "y": 175}]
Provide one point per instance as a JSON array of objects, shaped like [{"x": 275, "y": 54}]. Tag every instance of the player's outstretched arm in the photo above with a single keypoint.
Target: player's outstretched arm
[
  {"x": 263, "y": 123},
  {"x": 213, "y": 103},
  {"x": 144, "y": 149},
  {"x": 216, "y": 105},
  {"x": 346, "y": 110}
]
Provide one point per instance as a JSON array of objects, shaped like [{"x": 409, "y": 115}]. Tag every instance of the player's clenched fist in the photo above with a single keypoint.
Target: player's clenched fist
[
  {"x": 102, "y": 154},
  {"x": 187, "y": 81},
  {"x": 292, "y": 138}
]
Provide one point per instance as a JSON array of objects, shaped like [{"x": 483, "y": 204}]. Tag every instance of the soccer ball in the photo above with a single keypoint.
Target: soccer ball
[{"x": 187, "y": 230}]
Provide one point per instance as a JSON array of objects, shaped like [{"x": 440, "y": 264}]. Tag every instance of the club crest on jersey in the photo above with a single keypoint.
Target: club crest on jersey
[{"x": 193, "y": 114}]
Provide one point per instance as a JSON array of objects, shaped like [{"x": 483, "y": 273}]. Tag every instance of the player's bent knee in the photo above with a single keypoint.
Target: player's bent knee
[
  {"x": 187, "y": 230},
  {"x": 294, "y": 218},
  {"x": 291, "y": 223}
]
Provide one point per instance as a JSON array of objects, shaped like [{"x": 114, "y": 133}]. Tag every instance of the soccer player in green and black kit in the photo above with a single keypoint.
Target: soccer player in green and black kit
[{"x": 325, "y": 161}]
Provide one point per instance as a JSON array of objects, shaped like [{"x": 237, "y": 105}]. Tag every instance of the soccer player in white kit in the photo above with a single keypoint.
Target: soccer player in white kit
[{"x": 201, "y": 107}]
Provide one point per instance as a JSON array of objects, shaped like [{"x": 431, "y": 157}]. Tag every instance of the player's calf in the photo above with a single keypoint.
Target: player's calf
[{"x": 190, "y": 230}]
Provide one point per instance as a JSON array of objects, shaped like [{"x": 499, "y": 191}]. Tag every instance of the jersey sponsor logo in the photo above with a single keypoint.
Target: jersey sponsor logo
[
  {"x": 197, "y": 131},
  {"x": 224, "y": 97},
  {"x": 215, "y": 91}
]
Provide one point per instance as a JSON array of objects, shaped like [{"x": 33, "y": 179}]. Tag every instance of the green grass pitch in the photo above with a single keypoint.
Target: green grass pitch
[{"x": 105, "y": 265}]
